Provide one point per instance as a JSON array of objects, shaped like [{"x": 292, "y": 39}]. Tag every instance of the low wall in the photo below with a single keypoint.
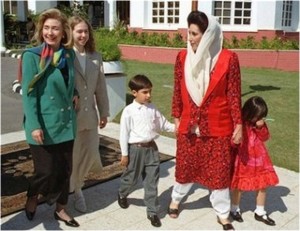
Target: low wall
[{"x": 287, "y": 60}]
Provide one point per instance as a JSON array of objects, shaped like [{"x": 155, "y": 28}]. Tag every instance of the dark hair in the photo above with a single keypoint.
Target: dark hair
[
  {"x": 254, "y": 109},
  {"x": 198, "y": 18},
  {"x": 90, "y": 44},
  {"x": 139, "y": 82}
]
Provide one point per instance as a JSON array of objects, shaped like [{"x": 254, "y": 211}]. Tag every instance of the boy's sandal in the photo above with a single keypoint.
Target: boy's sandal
[{"x": 173, "y": 212}]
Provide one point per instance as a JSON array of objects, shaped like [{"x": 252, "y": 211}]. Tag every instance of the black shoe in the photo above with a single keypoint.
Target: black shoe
[
  {"x": 71, "y": 222},
  {"x": 155, "y": 221},
  {"x": 31, "y": 201},
  {"x": 236, "y": 216},
  {"x": 265, "y": 219},
  {"x": 174, "y": 213},
  {"x": 122, "y": 202},
  {"x": 29, "y": 215},
  {"x": 227, "y": 226}
]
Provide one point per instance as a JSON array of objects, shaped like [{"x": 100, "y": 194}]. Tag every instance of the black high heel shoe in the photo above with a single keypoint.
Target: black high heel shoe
[
  {"x": 29, "y": 214},
  {"x": 71, "y": 222}
]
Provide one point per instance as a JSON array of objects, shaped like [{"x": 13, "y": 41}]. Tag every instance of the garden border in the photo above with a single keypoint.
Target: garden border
[{"x": 286, "y": 60}]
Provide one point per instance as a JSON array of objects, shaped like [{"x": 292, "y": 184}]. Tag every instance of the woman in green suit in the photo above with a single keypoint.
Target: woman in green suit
[{"x": 49, "y": 121}]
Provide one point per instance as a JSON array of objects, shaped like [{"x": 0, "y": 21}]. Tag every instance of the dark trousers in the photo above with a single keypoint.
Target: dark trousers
[
  {"x": 52, "y": 171},
  {"x": 142, "y": 162}
]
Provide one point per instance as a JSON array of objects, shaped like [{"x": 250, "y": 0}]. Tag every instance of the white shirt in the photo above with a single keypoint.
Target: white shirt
[
  {"x": 140, "y": 124},
  {"x": 81, "y": 58}
]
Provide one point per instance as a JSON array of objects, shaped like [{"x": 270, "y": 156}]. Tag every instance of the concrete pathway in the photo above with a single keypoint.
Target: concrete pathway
[{"x": 196, "y": 212}]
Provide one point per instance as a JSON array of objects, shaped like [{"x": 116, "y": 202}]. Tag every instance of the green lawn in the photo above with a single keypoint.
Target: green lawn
[{"x": 280, "y": 90}]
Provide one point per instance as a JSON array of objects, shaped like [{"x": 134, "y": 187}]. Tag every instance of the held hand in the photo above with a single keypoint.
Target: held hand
[
  {"x": 76, "y": 102},
  {"x": 176, "y": 122},
  {"x": 124, "y": 161},
  {"x": 237, "y": 135},
  {"x": 260, "y": 123},
  {"x": 102, "y": 122},
  {"x": 38, "y": 136}
]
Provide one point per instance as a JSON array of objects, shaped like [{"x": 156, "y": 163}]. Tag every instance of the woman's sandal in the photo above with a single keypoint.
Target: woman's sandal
[
  {"x": 173, "y": 212},
  {"x": 227, "y": 226}
]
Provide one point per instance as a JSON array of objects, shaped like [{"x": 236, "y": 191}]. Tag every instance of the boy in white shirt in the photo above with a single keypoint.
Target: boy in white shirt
[{"x": 140, "y": 124}]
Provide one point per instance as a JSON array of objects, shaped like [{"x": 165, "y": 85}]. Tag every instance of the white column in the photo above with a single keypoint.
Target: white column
[
  {"x": 111, "y": 7},
  {"x": 2, "y": 39},
  {"x": 21, "y": 11}
]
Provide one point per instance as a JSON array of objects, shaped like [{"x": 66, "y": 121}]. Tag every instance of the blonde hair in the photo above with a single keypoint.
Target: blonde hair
[
  {"x": 67, "y": 39},
  {"x": 90, "y": 44}
]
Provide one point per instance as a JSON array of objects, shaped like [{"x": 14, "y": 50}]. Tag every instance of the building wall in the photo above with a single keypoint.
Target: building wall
[
  {"x": 140, "y": 16},
  {"x": 265, "y": 20},
  {"x": 39, "y": 6}
]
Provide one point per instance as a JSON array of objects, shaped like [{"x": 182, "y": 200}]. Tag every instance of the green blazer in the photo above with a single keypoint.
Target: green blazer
[{"x": 49, "y": 106}]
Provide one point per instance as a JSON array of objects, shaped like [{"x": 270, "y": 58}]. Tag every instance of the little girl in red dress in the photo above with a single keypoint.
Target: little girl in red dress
[{"x": 253, "y": 169}]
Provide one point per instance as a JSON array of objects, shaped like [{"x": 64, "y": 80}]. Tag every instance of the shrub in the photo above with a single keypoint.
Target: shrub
[
  {"x": 264, "y": 44},
  {"x": 107, "y": 45},
  {"x": 178, "y": 41},
  {"x": 248, "y": 43}
]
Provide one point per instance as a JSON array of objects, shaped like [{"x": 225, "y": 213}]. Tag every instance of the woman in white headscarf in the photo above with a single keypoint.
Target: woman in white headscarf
[{"x": 207, "y": 112}]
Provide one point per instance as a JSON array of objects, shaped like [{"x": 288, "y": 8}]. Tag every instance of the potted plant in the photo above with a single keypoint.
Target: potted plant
[{"x": 107, "y": 45}]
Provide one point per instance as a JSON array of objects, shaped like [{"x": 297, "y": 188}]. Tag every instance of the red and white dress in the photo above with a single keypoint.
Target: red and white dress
[{"x": 253, "y": 168}]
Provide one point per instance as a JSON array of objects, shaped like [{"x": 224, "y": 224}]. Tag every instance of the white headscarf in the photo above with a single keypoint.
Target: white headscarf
[{"x": 199, "y": 65}]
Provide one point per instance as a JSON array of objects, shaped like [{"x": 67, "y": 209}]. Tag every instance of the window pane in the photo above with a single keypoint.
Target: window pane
[
  {"x": 161, "y": 12},
  {"x": 227, "y": 4},
  {"x": 161, "y": 20},
  {"x": 238, "y": 4},
  {"x": 177, "y": 12},
  {"x": 154, "y": 20},
  {"x": 218, "y": 4},
  {"x": 170, "y": 20},
  {"x": 237, "y": 13},
  {"x": 237, "y": 21},
  {"x": 246, "y": 21},
  {"x": 170, "y": 4},
  {"x": 161, "y": 4},
  {"x": 226, "y": 13},
  {"x": 154, "y": 5},
  {"x": 176, "y": 20},
  {"x": 247, "y": 13},
  {"x": 154, "y": 12},
  {"x": 218, "y": 12},
  {"x": 177, "y": 4},
  {"x": 247, "y": 5},
  {"x": 226, "y": 21}
]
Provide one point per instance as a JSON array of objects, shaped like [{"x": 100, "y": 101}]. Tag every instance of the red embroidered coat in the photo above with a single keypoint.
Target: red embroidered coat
[
  {"x": 207, "y": 160},
  {"x": 221, "y": 106}
]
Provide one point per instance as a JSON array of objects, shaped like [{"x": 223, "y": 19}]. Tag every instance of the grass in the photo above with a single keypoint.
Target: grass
[{"x": 280, "y": 90}]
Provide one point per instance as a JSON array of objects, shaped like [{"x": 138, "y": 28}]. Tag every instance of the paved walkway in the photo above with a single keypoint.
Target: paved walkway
[{"x": 196, "y": 212}]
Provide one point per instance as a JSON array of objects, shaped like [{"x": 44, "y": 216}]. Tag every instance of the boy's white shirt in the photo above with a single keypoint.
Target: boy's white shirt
[{"x": 140, "y": 124}]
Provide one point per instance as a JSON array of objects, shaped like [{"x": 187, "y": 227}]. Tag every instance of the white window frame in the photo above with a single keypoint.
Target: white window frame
[
  {"x": 287, "y": 10},
  {"x": 165, "y": 25},
  {"x": 233, "y": 10}
]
